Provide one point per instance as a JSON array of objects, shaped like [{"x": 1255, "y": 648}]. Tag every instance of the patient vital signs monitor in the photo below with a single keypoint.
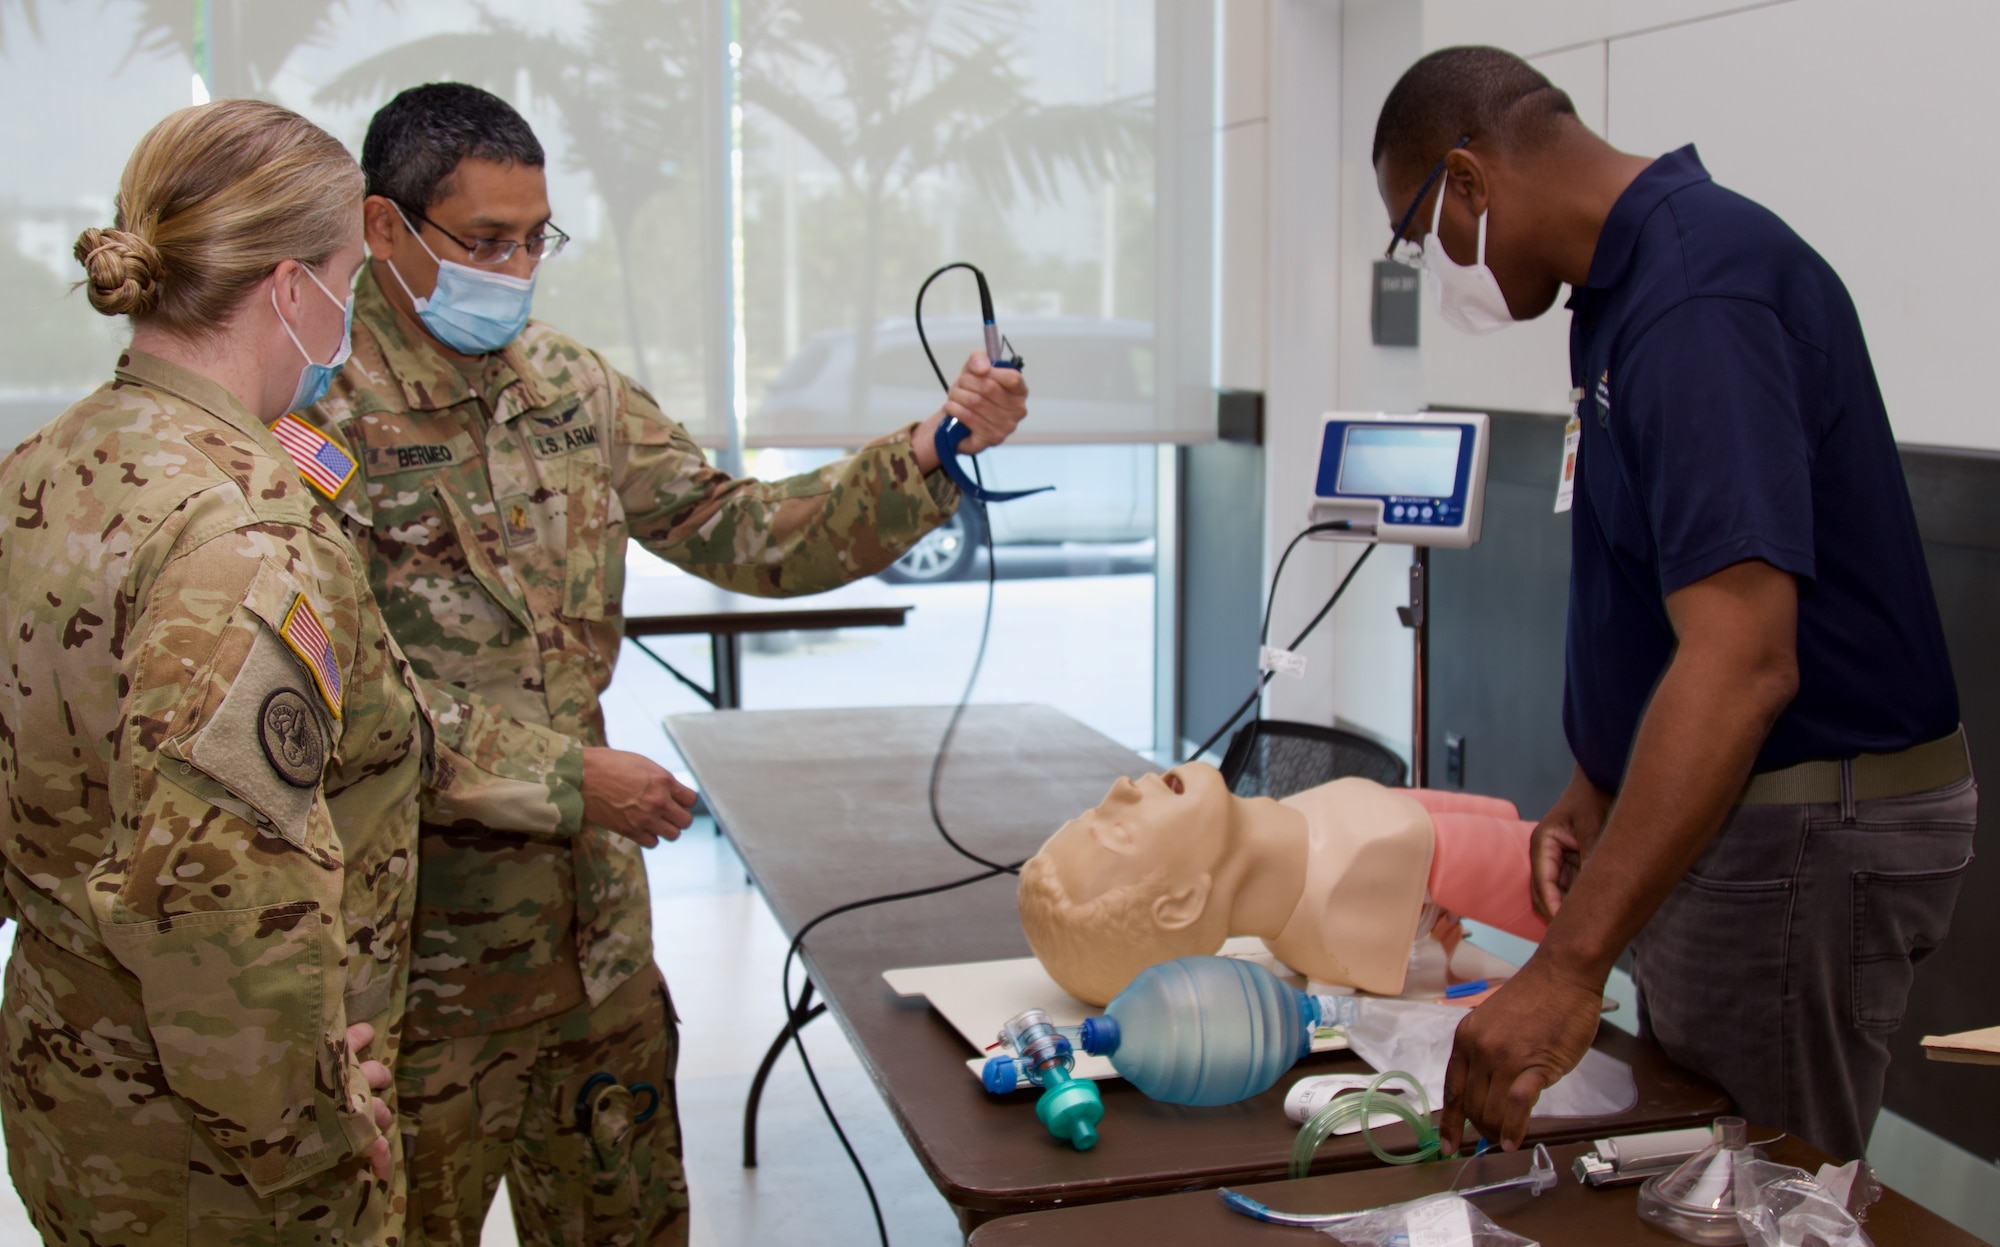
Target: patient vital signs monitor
[{"x": 1409, "y": 479}]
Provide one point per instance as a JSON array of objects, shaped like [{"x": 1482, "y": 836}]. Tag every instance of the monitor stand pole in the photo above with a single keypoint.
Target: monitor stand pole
[{"x": 1416, "y": 617}]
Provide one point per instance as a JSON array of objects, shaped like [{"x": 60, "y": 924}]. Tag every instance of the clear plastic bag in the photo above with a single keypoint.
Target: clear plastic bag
[
  {"x": 1434, "y": 1221},
  {"x": 1780, "y": 1206},
  {"x": 1417, "y": 1036}
]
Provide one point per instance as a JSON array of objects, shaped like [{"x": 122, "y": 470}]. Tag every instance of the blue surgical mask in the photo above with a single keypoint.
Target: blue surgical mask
[
  {"x": 471, "y": 310},
  {"x": 315, "y": 378}
]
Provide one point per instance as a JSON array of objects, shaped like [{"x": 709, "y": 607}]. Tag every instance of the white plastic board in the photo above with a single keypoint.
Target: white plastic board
[{"x": 977, "y": 997}]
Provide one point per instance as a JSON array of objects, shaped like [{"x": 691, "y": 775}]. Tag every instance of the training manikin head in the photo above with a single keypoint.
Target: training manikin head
[{"x": 1150, "y": 874}]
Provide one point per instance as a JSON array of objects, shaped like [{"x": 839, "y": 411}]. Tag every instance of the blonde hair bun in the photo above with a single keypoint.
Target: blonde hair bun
[
  {"x": 212, "y": 199},
  {"x": 122, "y": 270}
]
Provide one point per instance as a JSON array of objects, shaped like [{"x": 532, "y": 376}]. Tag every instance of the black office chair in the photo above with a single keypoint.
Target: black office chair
[{"x": 1273, "y": 758}]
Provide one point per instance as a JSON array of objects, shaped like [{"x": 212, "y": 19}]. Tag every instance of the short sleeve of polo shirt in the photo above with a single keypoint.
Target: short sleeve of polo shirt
[{"x": 1710, "y": 398}]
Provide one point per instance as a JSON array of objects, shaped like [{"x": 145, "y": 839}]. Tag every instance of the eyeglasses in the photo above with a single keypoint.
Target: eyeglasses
[
  {"x": 489, "y": 252},
  {"x": 1406, "y": 250}
]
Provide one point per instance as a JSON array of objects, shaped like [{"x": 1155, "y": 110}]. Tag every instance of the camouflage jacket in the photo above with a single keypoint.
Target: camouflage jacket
[
  {"x": 211, "y": 752},
  {"x": 495, "y": 524}
]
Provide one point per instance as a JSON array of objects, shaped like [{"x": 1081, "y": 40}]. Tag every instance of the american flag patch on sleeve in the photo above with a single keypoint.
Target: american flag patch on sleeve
[
  {"x": 325, "y": 466},
  {"x": 307, "y": 637}
]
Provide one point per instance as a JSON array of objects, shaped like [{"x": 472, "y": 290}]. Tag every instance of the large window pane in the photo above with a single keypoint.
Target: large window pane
[
  {"x": 63, "y": 142},
  {"x": 882, "y": 138},
  {"x": 613, "y": 89},
  {"x": 1072, "y": 614}
]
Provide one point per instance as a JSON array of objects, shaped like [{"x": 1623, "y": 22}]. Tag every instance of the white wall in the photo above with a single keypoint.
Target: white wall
[
  {"x": 1289, "y": 302},
  {"x": 1531, "y": 27},
  {"x": 1859, "y": 123},
  {"x": 1243, "y": 193}
]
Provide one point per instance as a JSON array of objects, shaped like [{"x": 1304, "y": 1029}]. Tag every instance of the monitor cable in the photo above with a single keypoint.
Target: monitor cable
[{"x": 1264, "y": 633}]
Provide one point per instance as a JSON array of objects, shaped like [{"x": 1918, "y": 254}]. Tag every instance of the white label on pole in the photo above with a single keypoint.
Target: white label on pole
[
  {"x": 1566, "y": 483},
  {"x": 1281, "y": 662},
  {"x": 1442, "y": 1221}
]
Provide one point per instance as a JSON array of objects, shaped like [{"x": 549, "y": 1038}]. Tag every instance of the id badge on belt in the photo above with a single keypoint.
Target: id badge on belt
[{"x": 1572, "y": 441}]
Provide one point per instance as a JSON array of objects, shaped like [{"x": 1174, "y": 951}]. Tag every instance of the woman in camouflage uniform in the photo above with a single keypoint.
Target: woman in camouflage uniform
[{"x": 211, "y": 751}]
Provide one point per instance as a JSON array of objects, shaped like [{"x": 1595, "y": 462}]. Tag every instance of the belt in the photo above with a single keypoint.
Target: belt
[{"x": 1868, "y": 777}]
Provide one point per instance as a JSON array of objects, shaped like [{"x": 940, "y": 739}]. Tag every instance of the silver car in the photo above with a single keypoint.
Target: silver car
[{"x": 1094, "y": 377}]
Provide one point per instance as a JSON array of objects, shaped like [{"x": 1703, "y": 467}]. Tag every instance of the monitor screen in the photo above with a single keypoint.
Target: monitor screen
[{"x": 1406, "y": 462}]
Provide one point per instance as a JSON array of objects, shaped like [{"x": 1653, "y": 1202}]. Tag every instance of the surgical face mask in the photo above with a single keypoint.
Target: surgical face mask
[
  {"x": 1468, "y": 294},
  {"x": 315, "y": 378},
  {"x": 471, "y": 310}
]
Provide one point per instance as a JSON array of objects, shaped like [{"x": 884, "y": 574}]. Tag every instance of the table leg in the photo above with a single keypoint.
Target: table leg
[
  {"x": 705, "y": 694},
  {"x": 726, "y": 656},
  {"x": 756, "y": 1097}
]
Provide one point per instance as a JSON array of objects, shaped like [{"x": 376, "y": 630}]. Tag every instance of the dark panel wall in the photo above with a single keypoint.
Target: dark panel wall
[
  {"x": 1497, "y": 641},
  {"x": 1221, "y": 587},
  {"x": 1497, "y": 627},
  {"x": 1957, "y": 497}
]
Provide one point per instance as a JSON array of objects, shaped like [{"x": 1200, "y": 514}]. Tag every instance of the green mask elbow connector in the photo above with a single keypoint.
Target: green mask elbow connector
[{"x": 1070, "y": 1106}]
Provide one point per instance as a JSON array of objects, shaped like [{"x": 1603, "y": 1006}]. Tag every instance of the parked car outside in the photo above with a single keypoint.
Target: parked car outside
[{"x": 1092, "y": 377}]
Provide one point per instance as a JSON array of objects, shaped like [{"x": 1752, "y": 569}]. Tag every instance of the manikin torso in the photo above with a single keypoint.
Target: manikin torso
[
  {"x": 1333, "y": 879},
  {"x": 1368, "y": 854}
]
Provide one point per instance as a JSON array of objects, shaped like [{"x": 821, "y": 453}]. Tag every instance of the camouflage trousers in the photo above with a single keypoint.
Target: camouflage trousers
[
  {"x": 560, "y": 1107},
  {"x": 104, "y": 1154}
]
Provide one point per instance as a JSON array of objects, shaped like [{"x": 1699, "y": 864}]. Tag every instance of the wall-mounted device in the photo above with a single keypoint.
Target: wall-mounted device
[
  {"x": 1417, "y": 479},
  {"x": 1392, "y": 312}
]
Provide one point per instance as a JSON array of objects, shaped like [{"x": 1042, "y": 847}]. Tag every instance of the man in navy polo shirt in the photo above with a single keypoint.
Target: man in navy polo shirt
[{"x": 1771, "y": 802}]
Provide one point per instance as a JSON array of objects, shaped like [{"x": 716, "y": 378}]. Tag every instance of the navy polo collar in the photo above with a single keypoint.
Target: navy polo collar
[{"x": 1669, "y": 173}]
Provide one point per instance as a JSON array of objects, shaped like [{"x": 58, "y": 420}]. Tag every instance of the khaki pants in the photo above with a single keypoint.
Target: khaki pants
[
  {"x": 103, "y": 1153},
  {"x": 476, "y": 1108}
]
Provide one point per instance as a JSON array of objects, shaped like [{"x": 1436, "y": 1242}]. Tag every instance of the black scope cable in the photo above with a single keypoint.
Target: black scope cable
[
  {"x": 797, "y": 1010},
  {"x": 992, "y": 574}
]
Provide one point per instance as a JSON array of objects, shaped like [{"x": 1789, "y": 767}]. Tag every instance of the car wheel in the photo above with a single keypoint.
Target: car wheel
[{"x": 948, "y": 552}]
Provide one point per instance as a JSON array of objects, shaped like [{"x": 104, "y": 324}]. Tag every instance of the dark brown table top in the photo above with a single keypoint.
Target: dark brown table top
[
  {"x": 1572, "y": 1215},
  {"x": 828, "y": 806}
]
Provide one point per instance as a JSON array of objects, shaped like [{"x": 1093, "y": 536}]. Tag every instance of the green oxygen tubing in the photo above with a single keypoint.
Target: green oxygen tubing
[{"x": 1345, "y": 1110}]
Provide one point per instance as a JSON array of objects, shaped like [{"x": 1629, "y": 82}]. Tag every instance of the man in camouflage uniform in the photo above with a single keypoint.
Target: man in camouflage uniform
[
  {"x": 501, "y": 487},
  {"x": 210, "y": 757}
]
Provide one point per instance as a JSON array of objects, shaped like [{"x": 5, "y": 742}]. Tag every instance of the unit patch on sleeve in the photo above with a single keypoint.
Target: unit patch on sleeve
[
  {"x": 325, "y": 466},
  {"x": 307, "y": 638},
  {"x": 266, "y": 744},
  {"x": 293, "y": 742}
]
